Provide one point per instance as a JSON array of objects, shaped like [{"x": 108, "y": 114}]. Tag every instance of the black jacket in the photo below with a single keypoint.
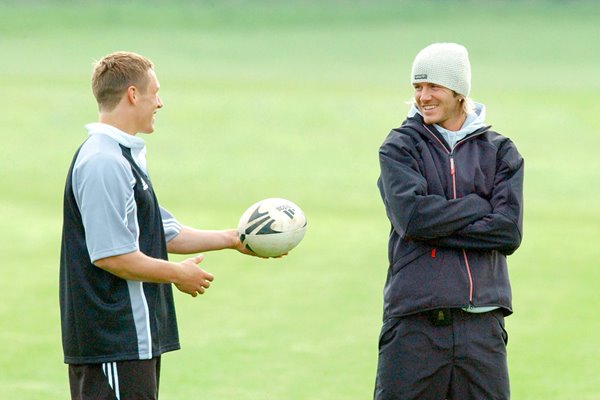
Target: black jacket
[{"x": 455, "y": 214}]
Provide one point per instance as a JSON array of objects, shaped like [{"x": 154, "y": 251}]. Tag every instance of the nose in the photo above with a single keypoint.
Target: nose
[
  {"x": 160, "y": 103},
  {"x": 425, "y": 93}
]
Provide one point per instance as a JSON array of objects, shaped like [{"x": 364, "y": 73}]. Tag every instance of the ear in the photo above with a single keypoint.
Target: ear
[{"x": 132, "y": 94}]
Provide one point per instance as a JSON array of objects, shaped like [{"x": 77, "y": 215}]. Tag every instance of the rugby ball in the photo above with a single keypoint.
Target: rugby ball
[{"x": 272, "y": 227}]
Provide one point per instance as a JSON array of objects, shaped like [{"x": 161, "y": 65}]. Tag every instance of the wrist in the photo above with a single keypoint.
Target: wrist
[
  {"x": 233, "y": 239},
  {"x": 175, "y": 274}
]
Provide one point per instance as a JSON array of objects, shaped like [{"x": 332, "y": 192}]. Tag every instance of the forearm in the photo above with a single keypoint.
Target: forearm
[
  {"x": 502, "y": 228},
  {"x": 190, "y": 240},
  {"x": 417, "y": 214},
  {"x": 494, "y": 232},
  {"x": 435, "y": 217},
  {"x": 139, "y": 267}
]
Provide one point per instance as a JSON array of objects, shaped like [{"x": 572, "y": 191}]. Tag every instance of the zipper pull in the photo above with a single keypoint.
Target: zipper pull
[{"x": 452, "y": 169}]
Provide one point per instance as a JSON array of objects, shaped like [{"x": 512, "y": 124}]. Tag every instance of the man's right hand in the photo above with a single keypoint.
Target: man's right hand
[{"x": 193, "y": 280}]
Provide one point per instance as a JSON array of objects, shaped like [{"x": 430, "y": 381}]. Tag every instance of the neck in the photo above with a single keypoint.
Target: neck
[
  {"x": 117, "y": 121},
  {"x": 456, "y": 123}
]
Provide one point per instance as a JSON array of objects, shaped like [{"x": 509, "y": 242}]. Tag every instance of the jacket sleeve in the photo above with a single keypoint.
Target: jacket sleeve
[
  {"x": 502, "y": 228},
  {"x": 413, "y": 212}
]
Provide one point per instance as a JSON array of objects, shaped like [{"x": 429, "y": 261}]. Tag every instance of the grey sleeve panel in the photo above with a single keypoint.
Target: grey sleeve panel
[
  {"x": 171, "y": 226},
  {"x": 103, "y": 188}
]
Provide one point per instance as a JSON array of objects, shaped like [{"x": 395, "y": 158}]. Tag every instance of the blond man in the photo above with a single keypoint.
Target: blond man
[
  {"x": 453, "y": 192},
  {"x": 117, "y": 310}
]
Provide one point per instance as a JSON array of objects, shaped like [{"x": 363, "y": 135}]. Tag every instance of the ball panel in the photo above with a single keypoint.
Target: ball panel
[
  {"x": 272, "y": 227},
  {"x": 275, "y": 244}
]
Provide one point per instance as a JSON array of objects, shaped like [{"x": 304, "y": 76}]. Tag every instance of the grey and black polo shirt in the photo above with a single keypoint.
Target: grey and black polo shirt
[{"x": 110, "y": 208}]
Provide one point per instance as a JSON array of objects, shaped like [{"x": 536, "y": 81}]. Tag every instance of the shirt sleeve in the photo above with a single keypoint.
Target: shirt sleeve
[
  {"x": 171, "y": 226},
  {"x": 103, "y": 188}
]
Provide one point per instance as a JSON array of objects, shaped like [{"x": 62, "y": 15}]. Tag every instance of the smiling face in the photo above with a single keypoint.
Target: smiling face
[
  {"x": 439, "y": 105},
  {"x": 148, "y": 102}
]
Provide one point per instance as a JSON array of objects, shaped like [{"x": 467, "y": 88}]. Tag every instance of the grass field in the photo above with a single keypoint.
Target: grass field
[{"x": 292, "y": 99}]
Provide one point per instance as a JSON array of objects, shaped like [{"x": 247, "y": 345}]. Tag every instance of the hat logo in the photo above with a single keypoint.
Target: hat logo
[{"x": 421, "y": 76}]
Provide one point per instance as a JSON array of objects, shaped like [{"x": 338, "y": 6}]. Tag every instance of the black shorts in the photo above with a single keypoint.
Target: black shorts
[
  {"x": 448, "y": 354},
  {"x": 120, "y": 380}
]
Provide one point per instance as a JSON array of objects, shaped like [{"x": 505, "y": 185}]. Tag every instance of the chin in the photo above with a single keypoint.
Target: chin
[{"x": 430, "y": 121}]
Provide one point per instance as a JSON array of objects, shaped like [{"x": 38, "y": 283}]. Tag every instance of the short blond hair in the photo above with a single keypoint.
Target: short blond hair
[{"x": 114, "y": 73}]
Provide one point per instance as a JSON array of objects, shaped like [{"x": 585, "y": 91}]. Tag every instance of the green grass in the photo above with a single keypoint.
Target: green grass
[{"x": 292, "y": 99}]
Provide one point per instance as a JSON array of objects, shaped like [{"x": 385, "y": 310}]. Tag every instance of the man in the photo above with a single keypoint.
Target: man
[
  {"x": 117, "y": 310},
  {"x": 452, "y": 190}
]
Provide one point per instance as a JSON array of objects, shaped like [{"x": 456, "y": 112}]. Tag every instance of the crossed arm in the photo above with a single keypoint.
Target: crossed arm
[{"x": 470, "y": 222}]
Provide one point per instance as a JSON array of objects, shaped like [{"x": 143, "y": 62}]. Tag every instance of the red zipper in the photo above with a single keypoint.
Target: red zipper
[
  {"x": 470, "y": 277},
  {"x": 453, "y": 175}
]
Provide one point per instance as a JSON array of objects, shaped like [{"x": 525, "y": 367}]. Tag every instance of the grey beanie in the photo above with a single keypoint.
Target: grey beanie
[{"x": 445, "y": 64}]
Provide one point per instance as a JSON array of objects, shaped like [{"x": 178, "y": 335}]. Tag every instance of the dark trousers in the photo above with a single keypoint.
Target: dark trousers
[
  {"x": 121, "y": 380},
  {"x": 422, "y": 359}
]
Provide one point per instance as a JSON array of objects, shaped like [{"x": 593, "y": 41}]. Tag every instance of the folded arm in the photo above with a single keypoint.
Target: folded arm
[
  {"x": 413, "y": 212},
  {"x": 501, "y": 229}
]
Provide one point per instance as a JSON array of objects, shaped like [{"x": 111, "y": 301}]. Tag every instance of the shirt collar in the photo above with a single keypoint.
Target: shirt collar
[
  {"x": 136, "y": 144},
  {"x": 127, "y": 140}
]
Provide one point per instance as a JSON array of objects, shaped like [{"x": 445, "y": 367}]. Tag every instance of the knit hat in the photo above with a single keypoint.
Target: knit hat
[{"x": 445, "y": 64}]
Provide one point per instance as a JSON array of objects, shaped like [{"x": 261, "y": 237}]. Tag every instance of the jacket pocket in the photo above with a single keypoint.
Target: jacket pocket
[
  {"x": 408, "y": 257},
  {"x": 419, "y": 282}
]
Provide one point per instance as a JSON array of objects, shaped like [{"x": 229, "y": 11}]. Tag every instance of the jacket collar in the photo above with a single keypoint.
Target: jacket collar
[{"x": 431, "y": 133}]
